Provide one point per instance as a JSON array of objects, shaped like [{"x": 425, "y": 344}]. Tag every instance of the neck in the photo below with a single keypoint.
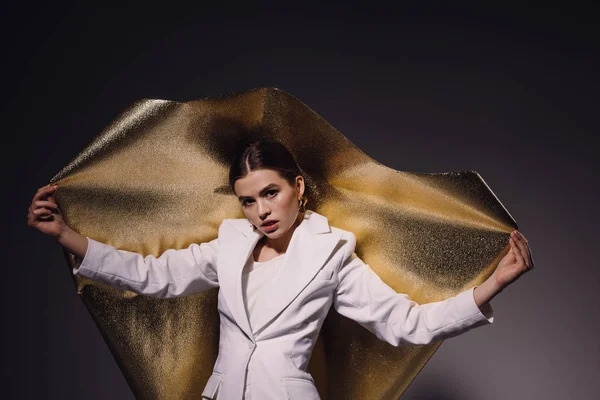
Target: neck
[{"x": 281, "y": 243}]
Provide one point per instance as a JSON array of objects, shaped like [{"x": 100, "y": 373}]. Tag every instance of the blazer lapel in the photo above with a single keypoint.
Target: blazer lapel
[
  {"x": 233, "y": 256},
  {"x": 311, "y": 244}
]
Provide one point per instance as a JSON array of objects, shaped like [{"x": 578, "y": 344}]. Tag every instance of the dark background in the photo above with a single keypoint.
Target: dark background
[{"x": 508, "y": 92}]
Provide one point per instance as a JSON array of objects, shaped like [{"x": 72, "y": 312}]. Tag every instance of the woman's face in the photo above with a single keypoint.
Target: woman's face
[{"x": 266, "y": 196}]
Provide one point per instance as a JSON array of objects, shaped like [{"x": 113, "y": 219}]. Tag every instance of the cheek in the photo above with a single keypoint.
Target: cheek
[
  {"x": 286, "y": 203},
  {"x": 287, "y": 198},
  {"x": 249, "y": 216}
]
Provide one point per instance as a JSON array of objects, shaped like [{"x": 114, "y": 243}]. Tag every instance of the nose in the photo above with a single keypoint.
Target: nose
[{"x": 263, "y": 210}]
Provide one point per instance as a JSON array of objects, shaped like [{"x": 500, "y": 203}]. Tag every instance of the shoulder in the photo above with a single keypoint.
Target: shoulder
[
  {"x": 237, "y": 223},
  {"x": 347, "y": 239},
  {"x": 347, "y": 235},
  {"x": 232, "y": 228},
  {"x": 319, "y": 223}
]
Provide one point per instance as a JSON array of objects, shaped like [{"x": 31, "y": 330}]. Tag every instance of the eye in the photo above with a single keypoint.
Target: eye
[
  {"x": 245, "y": 202},
  {"x": 272, "y": 191}
]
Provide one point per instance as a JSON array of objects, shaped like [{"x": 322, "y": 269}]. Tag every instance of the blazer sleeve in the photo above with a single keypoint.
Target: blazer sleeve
[
  {"x": 393, "y": 317},
  {"x": 174, "y": 273}
]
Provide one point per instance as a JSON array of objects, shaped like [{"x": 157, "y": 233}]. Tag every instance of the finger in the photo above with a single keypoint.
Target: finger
[
  {"x": 517, "y": 252},
  {"x": 45, "y": 217},
  {"x": 41, "y": 189},
  {"x": 529, "y": 255},
  {"x": 521, "y": 245},
  {"x": 41, "y": 212},
  {"x": 513, "y": 248},
  {"x": 523, "y": 237},
  {"x": 51, "y": 197},
  {"x": 44, "y": 203},
  {"x": 33, "y": 216},
  {"x": 44, "y": 191}
]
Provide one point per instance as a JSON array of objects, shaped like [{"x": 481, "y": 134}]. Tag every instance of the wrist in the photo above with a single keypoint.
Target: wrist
[
  {"x": 63, "y": 235},
  {"x": 486, "y": 291},
  {"x": 494, "y": 285}
]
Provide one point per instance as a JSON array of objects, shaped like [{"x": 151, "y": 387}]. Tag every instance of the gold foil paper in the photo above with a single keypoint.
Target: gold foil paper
[{"x": 156, "y": 178}]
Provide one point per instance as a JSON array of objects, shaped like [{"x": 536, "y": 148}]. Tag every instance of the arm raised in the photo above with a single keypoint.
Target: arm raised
[
  {"x": 393, "y": 317},
  {"x": 175, "y": 273}
]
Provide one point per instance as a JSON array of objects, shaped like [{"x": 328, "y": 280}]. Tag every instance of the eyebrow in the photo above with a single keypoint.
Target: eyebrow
[{"x": 262, "y": 192}]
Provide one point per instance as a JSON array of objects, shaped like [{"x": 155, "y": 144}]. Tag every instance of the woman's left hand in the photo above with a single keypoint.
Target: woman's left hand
[{"x": 516, "y": 262}]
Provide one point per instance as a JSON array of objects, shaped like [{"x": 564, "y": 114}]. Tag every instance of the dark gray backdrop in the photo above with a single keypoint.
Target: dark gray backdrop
[{"x": 510, "y": 93}]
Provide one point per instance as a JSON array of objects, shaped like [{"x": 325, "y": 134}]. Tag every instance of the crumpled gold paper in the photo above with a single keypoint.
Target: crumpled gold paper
[{"x": 156, "y": 178}]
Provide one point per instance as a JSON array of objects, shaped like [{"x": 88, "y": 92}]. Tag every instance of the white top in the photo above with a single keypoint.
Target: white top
[{"x": 255, "y": 278}]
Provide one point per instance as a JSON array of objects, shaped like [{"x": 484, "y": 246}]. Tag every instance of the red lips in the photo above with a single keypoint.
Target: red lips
[{"x": 269, "y": 222}]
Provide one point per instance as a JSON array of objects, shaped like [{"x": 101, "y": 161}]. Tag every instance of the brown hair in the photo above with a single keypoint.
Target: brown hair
[{"x": 265, "y": 154}]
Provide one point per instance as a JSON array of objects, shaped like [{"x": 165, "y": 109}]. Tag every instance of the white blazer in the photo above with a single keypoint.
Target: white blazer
[{"x": 319, "y": 268}]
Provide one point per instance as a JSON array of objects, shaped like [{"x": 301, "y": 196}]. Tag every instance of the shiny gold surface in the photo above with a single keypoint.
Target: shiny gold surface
[{"x": 156, "y": 178}]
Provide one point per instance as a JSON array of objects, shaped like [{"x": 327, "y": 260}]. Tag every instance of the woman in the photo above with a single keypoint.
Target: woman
[{"x": 279, "y": 271}]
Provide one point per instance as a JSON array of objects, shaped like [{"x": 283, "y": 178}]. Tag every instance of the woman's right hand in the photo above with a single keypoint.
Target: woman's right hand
[{"x": 44, "y": 214}]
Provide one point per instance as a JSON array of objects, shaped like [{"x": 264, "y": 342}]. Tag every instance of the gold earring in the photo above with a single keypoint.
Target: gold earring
[{"x": 302, "y": 204}]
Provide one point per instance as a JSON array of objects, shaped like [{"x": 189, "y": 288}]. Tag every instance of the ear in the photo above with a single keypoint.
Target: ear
[{"x": 300, "y": 185}]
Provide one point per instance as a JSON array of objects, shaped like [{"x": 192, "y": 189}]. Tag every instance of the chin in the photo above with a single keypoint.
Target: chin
[{"x": 274, "y": 235}]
